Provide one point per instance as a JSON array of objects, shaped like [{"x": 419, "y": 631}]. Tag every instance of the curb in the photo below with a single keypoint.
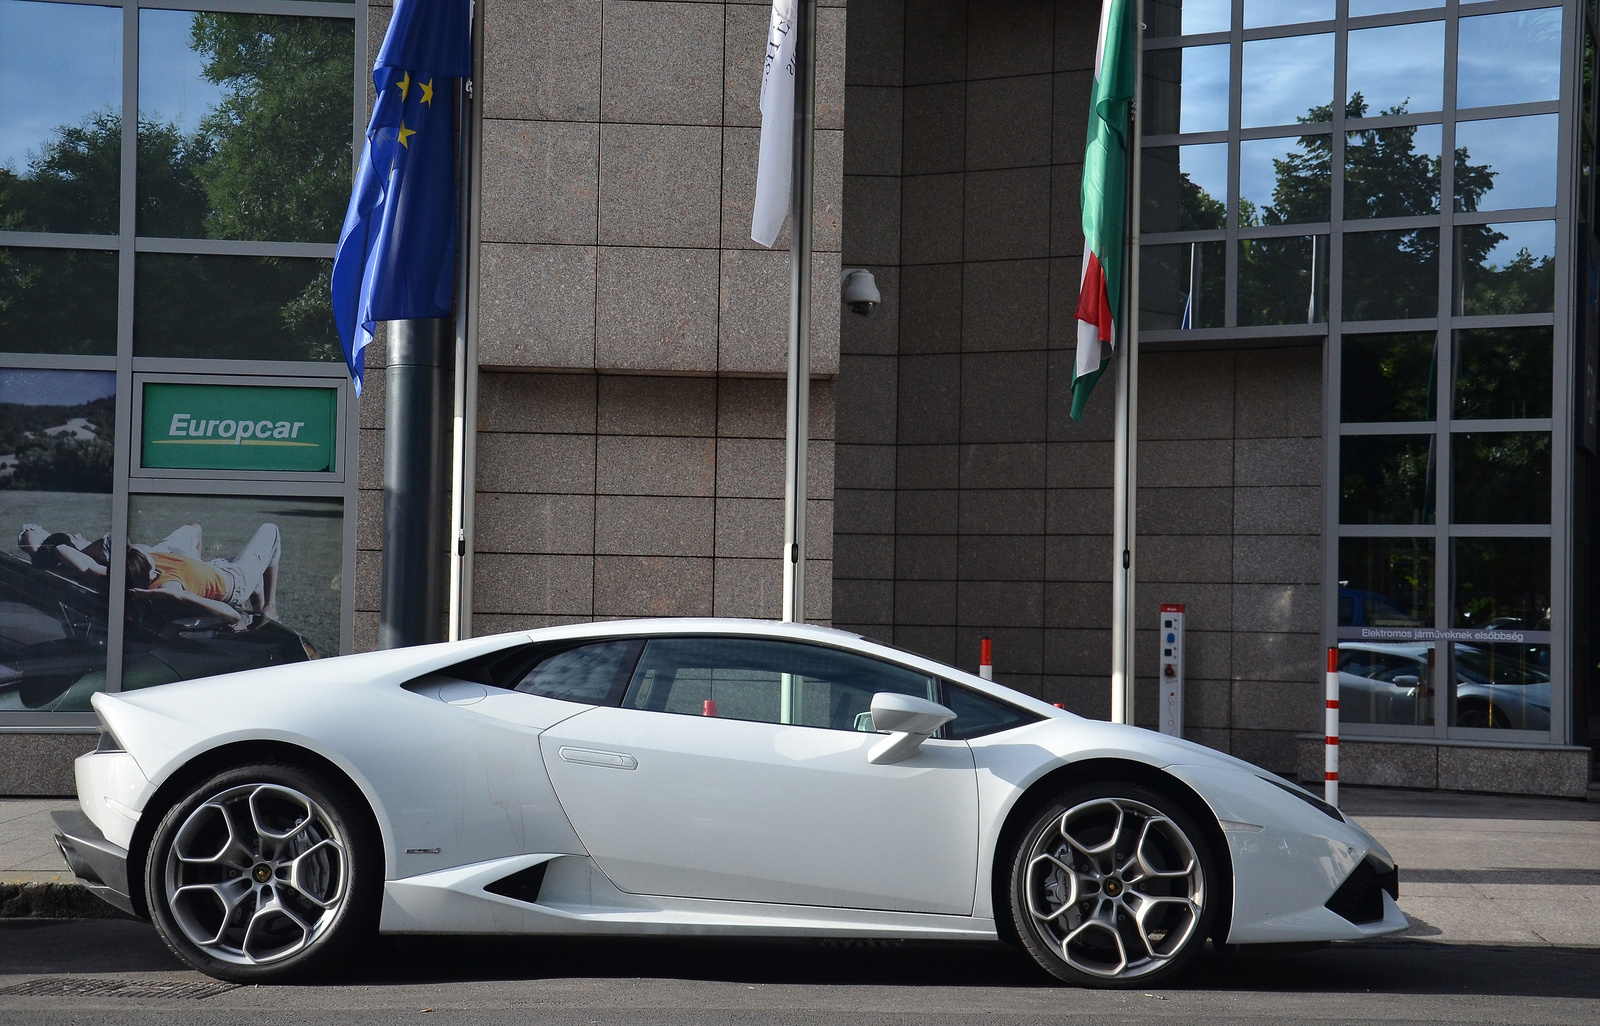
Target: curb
[{"x": 53, "y": 901}]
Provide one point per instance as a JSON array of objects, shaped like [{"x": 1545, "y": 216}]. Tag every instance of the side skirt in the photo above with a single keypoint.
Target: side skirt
[{"x": 576, "y": 898}]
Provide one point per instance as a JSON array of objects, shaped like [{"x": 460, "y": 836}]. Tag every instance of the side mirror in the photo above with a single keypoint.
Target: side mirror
[
  {"x": 1407, "y": 680},
  {"x": 908, "y": 721}
]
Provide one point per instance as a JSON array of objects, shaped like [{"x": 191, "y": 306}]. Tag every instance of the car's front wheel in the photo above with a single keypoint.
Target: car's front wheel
[
  {"x": 263, "y": 873},
  {"x": 1113, "y": 885}
]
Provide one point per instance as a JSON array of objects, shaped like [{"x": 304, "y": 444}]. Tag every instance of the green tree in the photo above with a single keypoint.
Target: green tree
[{"x": 280, "y": 168}]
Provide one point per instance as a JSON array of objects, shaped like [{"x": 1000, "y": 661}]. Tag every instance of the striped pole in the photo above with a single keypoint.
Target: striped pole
[
  {"x": 986, "y": 658},
  {"x": 1330, "y": 785}
]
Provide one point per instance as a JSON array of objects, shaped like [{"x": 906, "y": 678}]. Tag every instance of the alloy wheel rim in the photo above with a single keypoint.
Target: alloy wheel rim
[
  {"x": 1114, "y": 888},
  {"x": 256, "y": 874}
]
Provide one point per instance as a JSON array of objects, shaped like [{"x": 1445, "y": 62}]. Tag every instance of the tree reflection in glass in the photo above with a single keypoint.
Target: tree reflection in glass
[
  {"x": 1504, "y": 582},
  {"x": 1387, "y": 378},
  {"x": 1182, "y": 286},
  {"x": 61, "y": 72},
  {"x": 1506, "y": 268},
  {"x": 1503, "y": 373},
  {"x": 1386, "y": 582},
  {"x": 245, "y": 126},
  {"x": 1387, "y": 479},
  {"x": 1500, "y": 477}
]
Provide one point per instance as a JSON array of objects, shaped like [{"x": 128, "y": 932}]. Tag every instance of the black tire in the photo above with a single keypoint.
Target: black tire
[
  {"x": 1080, "y": 921},
  {"x": 305, "y": 879}
]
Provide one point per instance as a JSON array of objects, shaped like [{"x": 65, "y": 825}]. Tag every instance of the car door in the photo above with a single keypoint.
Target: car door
[{"x": 736, "y": 768}]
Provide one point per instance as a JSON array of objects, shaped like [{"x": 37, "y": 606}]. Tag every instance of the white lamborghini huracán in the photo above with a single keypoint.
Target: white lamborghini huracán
[{"x": 691, "y": 776}]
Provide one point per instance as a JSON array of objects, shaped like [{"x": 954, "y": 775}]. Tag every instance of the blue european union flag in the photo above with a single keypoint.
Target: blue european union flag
[{"x": 397, "y": 252}]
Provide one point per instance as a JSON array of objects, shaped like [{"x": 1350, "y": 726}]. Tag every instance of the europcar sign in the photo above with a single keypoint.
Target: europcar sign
[{"x": 238, "y": 427}]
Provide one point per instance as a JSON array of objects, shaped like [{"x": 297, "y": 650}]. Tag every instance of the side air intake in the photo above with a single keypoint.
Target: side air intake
[
  {"x": 522, "y": 885},
  {"x": 1360, "y": 898}
]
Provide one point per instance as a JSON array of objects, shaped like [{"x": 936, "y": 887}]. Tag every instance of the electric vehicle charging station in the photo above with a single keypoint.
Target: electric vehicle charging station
[{"x": 1171, "y": 680}]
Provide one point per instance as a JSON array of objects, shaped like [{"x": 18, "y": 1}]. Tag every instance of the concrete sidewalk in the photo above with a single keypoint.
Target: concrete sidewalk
[{"x": 1474, "y": 869}]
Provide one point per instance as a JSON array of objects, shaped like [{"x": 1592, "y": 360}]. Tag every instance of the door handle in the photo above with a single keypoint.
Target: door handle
[{"x": 593, "y": 757}]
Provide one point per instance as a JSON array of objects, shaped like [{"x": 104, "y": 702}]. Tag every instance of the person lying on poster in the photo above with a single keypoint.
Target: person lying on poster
[
  {"x": 233, "y": 589},
  {"x": 43, "y": 548}
]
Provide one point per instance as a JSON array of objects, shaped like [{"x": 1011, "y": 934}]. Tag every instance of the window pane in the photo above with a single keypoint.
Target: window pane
[
  {"x": 1386, "y": 479},
  {"x": 244, "y": 126},
  {"x": 1500, "y": 477},
  {"x": 1386, "y": 683},
  {"x": 233, "y": 308},
  {"x": 1283, "y": 281},
  {"x": 61, "y": 127},
  {"x": 1186, "y": 90},
  {"x": 1261, "y": 13},
  {"x": 747, "y": 679},
  {"x": 56, "y": 431},
  {"x": 1187, "y": 17},
  {"x": 1387, "y": 377},
  {"x": 1504, "y": 163},
  {"x": 1284, "y": 181},
  {"x": 235, "y": 582},
  {"x": 978, "y": 715},
  {"x": 1185, "y": 187},
  {"x": 1181, "y": 286},
  {"x": 1509, "y": 58},
  {"x": 1385, "y": 582},
  {"x": 594, "y": 674},
  {"x": 58, "y": 301},
  {"x": 1395, "y": 69},
  {"x": 1362, "y": 8},
  {"x": 1500, "y": 582},
  {"x": 1506, "y": 268},
  {"x": 1392, "y": 172},
  {"x": 1501, "y": 685},
  {"x": 1391, "y": 274},
  {"x": 1287, "y": 81},
  {"x": 1503, "y": 373}
]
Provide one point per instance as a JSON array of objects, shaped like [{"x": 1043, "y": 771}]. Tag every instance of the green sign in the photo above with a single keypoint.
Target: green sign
[{"x": 239, "y": 427}]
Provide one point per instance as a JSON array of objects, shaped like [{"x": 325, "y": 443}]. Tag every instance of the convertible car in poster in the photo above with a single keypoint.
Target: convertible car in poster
[{"x": 701, "y": 776}]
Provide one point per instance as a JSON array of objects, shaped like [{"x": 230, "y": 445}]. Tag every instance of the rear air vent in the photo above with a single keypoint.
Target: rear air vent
[
  {"x": 522, "y": 885},
  {"x": 1360, "y": 898}
]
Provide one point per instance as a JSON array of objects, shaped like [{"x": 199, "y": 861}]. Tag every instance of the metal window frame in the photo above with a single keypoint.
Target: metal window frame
[
  {"x": 132, "y": 371},
  {"x": 1443, "y": 325}
]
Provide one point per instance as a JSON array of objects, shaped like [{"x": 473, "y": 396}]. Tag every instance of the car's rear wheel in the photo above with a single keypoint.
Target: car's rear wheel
[
  {"x": 1113, "y": 885},
  {"x": 263, "y": 873}
]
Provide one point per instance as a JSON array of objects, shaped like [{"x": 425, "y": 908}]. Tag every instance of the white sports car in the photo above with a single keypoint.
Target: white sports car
[{"x": 695, "y": 777}]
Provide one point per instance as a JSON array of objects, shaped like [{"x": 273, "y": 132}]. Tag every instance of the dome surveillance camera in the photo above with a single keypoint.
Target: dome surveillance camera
[{"x": 860, "y": 290}]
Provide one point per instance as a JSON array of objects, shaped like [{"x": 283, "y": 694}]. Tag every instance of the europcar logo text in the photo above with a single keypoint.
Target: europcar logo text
[{"x": 187, "y": 429}]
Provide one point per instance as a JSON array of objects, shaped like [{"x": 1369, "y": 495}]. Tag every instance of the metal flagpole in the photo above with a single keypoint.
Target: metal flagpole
[
  {"x": 798, "y": 427},
  {"x": 1125, "y": 446}
]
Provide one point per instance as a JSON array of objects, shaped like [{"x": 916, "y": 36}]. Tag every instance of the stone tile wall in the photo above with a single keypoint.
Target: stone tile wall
[
  {"x": 632, "y": 339},
  {"x": 968, "y": 501}
]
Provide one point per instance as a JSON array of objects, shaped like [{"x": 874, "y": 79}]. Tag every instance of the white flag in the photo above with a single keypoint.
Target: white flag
[{"x": 775, "y": 169}]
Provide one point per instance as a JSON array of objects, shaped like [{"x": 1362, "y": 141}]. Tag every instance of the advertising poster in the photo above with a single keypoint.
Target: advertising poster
[
  {"x": 56, "y": 449},
  {"x": 224, "y": 583}
]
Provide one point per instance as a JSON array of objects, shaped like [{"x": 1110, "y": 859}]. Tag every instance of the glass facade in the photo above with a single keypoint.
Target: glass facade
[
  {"x": 1396, "y": 176},
  {"x": 176, "y": 445}
]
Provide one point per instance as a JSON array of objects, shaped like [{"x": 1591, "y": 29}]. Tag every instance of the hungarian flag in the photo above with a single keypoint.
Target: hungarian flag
[{"x": 1105, "y": 197}]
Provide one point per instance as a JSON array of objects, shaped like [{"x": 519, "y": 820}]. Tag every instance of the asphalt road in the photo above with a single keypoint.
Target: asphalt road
[{"x": 666, "y": 983}]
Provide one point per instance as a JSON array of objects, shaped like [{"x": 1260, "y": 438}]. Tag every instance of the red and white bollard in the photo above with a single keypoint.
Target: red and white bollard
[
  {"x": 1330, "y": 787},
  {"x": 986, "y": 658}
]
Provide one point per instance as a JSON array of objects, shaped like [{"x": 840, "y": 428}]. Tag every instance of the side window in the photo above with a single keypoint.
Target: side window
[
  {"x": 977, "y": 714},
  {"x": 767, "y": 681},
  {"x": 594, "y": 674}
]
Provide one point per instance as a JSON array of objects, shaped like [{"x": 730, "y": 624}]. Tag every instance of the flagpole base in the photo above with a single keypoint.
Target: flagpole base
[{"x": 411, "y": 606}]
